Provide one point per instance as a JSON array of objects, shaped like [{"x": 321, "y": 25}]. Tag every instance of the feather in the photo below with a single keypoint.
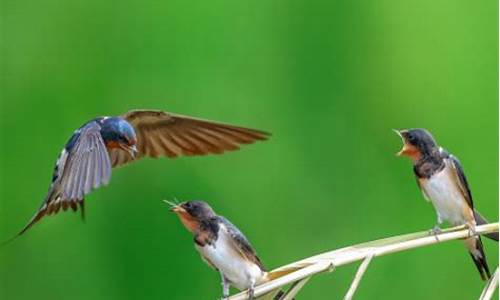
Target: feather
[
  {"x": 165, "y": 134},
  {"x": 75, "y": 172}
]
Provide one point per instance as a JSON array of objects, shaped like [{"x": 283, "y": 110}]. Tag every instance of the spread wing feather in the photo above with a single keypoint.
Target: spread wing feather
[
  {"x": 85, "y": 163},
  {"x": 82, "y": 166},
  {"x": 165, "y": 134}
]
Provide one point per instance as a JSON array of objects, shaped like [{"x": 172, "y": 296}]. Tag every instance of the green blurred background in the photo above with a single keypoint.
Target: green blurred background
[{"x": 329, "y": 79}]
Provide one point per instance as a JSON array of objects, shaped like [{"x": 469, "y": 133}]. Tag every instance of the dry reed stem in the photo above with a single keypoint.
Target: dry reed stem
[
  {"x": 357, "y": 278},
  {"x": 490, "y": 287},
  {"x": 327, "y": 261}
]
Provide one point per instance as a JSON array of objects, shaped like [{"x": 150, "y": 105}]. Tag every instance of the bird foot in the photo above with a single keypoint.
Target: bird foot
[
  {"x": 251, "y": 294},
  {"x": 435, "y": 231},
  {"x": 225, "y": 297},
  {"x": 471, "y": 229}
]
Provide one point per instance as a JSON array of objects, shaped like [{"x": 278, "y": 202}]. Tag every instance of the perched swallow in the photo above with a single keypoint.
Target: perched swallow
[
  {"x": 222, "y": 246},
  {"x": 103, "y": 143},
  {"x": 442, "y": 181}
]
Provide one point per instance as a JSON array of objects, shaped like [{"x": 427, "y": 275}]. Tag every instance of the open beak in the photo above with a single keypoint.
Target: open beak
[
  {"x": 398, "y": 132},
  {"x": 405, "y": 148},
  {"x": 175, "y": 207},
  {"x": 404, "y": 151},
  {"x": 131, "y": 150}
]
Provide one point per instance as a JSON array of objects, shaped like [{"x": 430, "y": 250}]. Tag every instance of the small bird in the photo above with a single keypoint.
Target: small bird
[
  {"x": 103, "y": 143},
  {"x": 442, "y": 182},
  {"x": 222, "y": 246}
]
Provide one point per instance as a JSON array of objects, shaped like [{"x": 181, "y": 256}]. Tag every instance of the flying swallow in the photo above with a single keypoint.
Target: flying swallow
[
  {"x": 101, "y": 144},
  {"x": 442, "y": 182},
  {"x": 222, "y": 246}
]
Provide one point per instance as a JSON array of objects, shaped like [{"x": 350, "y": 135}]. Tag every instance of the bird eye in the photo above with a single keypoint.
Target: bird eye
[
  {"x": 411, "y": 138},
  {"x": 188, "y": 205},
  {"x": 123, "y": 139}
]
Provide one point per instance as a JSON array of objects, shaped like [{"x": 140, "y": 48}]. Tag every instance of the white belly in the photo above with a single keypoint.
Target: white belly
[
  {"x": 239, "y": 271},
  {"x": 446, "y": 196}
]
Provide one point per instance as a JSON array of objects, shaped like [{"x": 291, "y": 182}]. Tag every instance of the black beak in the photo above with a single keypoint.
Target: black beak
[
  {"x": 405, "y": 148},
  {"x": 132, "y": 150},
  {"x": 398, "y": 132}
]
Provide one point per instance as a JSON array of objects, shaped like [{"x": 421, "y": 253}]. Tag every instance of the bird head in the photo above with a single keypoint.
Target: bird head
[
  {"x": 417, "y": 142},
  {"x": 191, "y": 213},
  {"x": 118, "y": 133}
]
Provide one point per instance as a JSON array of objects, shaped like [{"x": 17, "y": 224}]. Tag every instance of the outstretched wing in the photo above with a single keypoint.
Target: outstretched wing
[
  {"x": 461, "y": 180},
  {"x": 241, "y": 243},
  {"x": 161, "y": 133},
  {"x": 82, "y": 166}
]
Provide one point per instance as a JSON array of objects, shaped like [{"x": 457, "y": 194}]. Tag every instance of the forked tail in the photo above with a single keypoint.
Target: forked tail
[{"x": 476, "y": 251}]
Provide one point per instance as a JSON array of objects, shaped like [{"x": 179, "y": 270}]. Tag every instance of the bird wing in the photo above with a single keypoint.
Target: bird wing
[
  {"x": 480, "y": 220},
  {"x": 241, "y": 244},
  {"x": 461, "y": 180},
  {"x": 82, "y": 166},
  {"x": 161, "y": 133}
]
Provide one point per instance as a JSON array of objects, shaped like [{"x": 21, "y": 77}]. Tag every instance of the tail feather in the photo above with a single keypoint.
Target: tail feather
[
  {"x": 38, "y": 215},
  {"x": 45, "y": 210},
  {"x": 277, "y": 274},
  {"x": 476, "y": 251},
  {"x": 280, "y": 295}
]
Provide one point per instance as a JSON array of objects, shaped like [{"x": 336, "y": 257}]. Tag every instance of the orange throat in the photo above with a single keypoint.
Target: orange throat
[
  {"x": 410, "y": 151},
  {"x": 112, "y": 144},
  {"x": 188, "y": 221}
]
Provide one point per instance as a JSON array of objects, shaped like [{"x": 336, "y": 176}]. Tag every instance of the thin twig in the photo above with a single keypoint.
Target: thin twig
[
  {"x": 323, "y": 262},
  {"x": 279, "y": 282},
  {"x": 490, "y": 287},
  {"x": 357, "y": 278},
  {"x": 296, "y": 287}
]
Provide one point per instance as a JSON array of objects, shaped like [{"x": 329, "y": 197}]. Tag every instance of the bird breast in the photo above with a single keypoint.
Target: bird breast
[
  {"x": 223, "y": 255},
  {"x": 445, "y": 194}
]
